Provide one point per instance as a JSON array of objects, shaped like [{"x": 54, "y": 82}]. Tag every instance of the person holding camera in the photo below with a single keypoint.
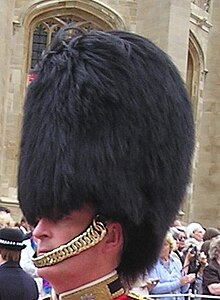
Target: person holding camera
[
  {"x": 168, "y": 268},
  {"x": 194, "y": 263},
  {"x": 195, "y": 233}
]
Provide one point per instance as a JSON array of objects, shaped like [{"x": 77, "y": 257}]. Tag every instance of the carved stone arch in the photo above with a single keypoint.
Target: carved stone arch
[
  {"x": 99, "y": 13},
  {"x": 195, "y": 73},
  {"x": 90, "y": 13}
]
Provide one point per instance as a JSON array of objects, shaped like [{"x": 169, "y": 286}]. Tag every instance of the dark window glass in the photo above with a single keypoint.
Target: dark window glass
[
  {"x": 39, "y": 44},
  {"x": 54, "y": 32}
]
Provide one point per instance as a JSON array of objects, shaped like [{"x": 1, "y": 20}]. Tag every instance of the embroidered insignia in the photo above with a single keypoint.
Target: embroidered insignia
[{"x": 88, "y": 297}]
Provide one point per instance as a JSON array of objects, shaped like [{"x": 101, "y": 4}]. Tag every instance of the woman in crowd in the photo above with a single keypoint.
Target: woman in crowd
[
  {"x": 210, "y": 234},
  {"x": 143, "y": 285},
  {"x": 211, "y": 274},
  {"x": 168, "y": 268},
  {"x": 193, "y": 260},
  {"x": 179, "y": 236}
]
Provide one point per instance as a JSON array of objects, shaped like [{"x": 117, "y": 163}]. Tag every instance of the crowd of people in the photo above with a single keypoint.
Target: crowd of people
[{"x": 189, "y": 262}]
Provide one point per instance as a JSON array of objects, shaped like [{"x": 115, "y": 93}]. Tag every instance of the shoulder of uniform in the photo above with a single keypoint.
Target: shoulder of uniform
[{"x": 137, "y": 297}]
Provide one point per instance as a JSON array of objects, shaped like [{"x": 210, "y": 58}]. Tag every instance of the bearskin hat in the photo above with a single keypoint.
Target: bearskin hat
[{"x": 107, "y": 121}]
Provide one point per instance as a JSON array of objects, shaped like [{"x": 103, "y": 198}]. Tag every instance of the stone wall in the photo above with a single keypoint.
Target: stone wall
[
  {"x": 9, "y": 105},
  {"x": 184, "y": 29},
  {"x": 206, "y": 194}
]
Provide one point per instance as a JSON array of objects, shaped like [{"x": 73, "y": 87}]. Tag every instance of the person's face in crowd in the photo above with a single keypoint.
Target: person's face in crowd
[
  {"x": 181, "y": 240},
  {"x": 176, "y": 246},
  {"x": 217, "y": 254},
  {"x": 165, "y": 250},
  {"x": 26, "y": 225},
  {"x": 198, "y": 234},
  {"x": 177, "y": 223},
  {"x": 86, "y": 266},
  {"x": 215, "y": 237}
]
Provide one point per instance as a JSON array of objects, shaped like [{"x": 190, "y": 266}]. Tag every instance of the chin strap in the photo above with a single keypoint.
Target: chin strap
[{"x": 89, "y": 238}]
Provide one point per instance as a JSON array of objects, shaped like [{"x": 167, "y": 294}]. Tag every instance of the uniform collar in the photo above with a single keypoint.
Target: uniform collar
[{"x": 107, "y": 287}]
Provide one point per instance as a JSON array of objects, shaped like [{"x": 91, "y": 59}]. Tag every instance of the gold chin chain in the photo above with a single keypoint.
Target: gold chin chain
[{"x": 89, "y": 238}]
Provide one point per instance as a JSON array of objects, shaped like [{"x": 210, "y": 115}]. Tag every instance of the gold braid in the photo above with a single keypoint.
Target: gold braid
[{"x": 90, "y": 237}]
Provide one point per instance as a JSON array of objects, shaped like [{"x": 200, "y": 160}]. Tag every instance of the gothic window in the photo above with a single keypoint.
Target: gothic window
[
  {"x": 45, "y": 31},
  {"x": 39, "y": 44}
]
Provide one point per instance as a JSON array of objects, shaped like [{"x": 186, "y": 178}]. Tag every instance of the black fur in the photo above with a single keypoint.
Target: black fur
[{"x": 107, "y": 121}]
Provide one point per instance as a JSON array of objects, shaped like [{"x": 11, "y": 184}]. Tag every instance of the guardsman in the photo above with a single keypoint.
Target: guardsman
[{"x": 105, "y": 159}]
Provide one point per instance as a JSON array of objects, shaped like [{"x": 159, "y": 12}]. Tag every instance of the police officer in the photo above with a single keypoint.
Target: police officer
[{"x": 15, "y": 283}]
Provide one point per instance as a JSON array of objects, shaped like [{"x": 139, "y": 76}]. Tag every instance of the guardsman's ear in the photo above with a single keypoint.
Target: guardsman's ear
[{"x": 114, "y": 236}]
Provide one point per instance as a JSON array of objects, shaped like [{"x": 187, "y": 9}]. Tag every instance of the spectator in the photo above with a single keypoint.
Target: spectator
[
  {"x": 5, "y": 210},
  {"x": 28, "y": 266},
  {"x": 15, "y": 283},
  {"x": 188, "y": 257},
  {"x": 26, "y": 257},
  {"x": 143, "y": 285},
  {"x": 172, "y": 279},
  {"x": 196, "y": 286},
  {"x": 179, "y": 236},
  {"x": 24, "y": 226},
  {"x": 210, "y": 234},
  {"x": 196, "y": 263},
  {"x": 6, "y": 220},
  {"x": 177, "y": 223},
  {"x": 195, "y": 233},
  {"x": 211, "y": 274}
]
